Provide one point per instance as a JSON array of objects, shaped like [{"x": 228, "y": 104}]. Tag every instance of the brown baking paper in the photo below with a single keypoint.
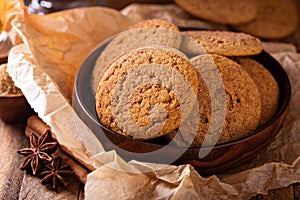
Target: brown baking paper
[
  {"x": 44, "y": 67},
  {"x": 54, "y": 47}
]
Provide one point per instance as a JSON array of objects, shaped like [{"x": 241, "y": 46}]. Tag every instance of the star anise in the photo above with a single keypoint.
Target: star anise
[
  {"x": 55, "y": 173},
  {"x": 39, "y": 152}
]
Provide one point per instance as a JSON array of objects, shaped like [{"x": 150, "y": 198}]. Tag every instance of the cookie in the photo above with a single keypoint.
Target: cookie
[
  {"x": 130, "y": 40},
  {"x": 141, "y": 94},
  {"x": 233, "y": 116},
  {"x": 267, "y": 87},
  {"x": 221, "y": 11},
  {"x": 275, "y": 19},
  {"x": 225, "y": 43},
  {"x": 155, "y": 23}
]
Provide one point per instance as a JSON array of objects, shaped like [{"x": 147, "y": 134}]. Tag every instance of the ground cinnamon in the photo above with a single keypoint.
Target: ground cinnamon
[{"x": 7, "y": 86}]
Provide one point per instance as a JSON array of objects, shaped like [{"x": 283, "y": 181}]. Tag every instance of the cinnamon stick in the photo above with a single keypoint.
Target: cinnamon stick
[{"x": 37, "y": 126}]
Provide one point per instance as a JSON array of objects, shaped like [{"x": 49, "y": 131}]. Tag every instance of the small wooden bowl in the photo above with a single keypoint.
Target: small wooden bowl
[
  {"x": 220, "y": 158},
  {"x": 14, "y": 108}
]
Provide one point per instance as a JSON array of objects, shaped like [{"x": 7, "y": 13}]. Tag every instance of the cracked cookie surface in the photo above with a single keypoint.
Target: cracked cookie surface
[{"x": 136, "y": 111}]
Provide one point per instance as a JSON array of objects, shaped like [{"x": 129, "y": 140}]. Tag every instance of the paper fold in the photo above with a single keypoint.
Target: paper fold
[{"x": 44, "y": 67}]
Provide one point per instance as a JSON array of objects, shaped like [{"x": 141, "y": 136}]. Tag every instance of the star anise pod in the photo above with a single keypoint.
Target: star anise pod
[
  {"x": 39, "y": 152},
  {"x": 55, "y": 173}
]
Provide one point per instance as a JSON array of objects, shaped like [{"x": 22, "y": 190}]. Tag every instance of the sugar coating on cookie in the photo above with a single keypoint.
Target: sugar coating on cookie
[
  {"x": 221, "y": 11},
  {"x": 226, "y": 43},
  {"x": 139, "y": 106},
  {"x": 266, "y": 84}
]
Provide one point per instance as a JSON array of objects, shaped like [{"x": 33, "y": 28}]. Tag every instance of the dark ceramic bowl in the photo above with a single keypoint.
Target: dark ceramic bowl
[{"x": 220, "y": 158}]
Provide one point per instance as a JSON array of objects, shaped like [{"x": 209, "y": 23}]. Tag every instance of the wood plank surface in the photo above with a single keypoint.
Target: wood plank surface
[
  {"x": 286, "y": 193},
  {"x": 12, "y": 138},
  {"x": 32, "y": 189},
  {"x": 14, "y": 183}
]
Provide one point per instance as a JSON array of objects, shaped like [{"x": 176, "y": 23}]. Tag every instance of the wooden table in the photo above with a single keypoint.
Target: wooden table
[{"x": 15, "y": 184}]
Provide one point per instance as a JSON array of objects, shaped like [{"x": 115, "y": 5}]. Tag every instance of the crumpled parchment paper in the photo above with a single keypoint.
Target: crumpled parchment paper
[{"x": 44, "y": 67}]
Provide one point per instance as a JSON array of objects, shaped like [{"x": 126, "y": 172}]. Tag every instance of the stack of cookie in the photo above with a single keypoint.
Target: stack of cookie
[
  {"x": 269, "y": 19},
  {"x": 192, "y": 87}
]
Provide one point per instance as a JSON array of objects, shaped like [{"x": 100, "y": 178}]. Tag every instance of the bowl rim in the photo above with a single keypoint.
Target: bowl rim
[
  {"x": 280, "y": 110},
  {"x": 12, "y": 95}
]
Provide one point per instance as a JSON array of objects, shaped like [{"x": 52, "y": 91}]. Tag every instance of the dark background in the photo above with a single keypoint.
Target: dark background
[{"x": 66, "y": 4}]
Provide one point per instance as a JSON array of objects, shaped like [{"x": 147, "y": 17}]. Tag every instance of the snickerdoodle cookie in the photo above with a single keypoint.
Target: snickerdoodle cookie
[
  {"x": 151, "y": 33},
  {"x": 226, "y": 117},
  {"x": 225, "y": 43},
  {"x": 155, "y": 23},
  {"x": 142, "y": 93},
  {"x": 221, "y": 11},
  {"x": 266, "y": 84},
  {"x": 275, "y": 19}
]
